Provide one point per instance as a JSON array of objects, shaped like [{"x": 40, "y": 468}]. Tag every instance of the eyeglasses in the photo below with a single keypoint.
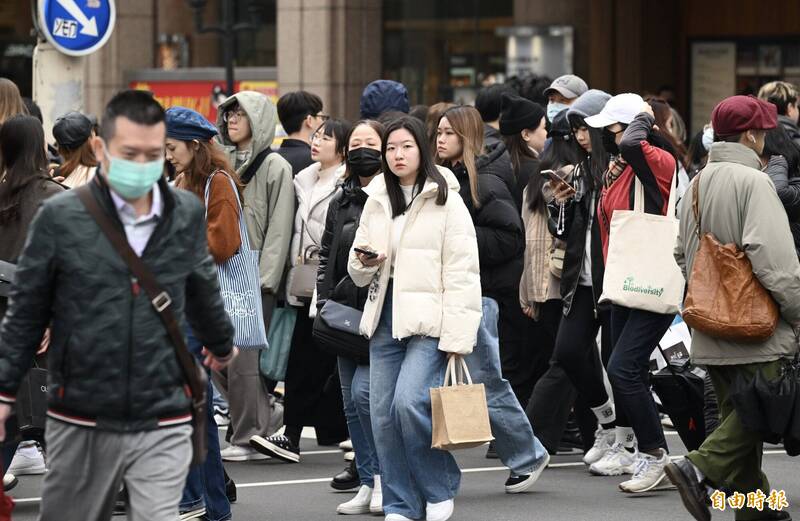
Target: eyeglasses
[
  {"x": 323, "y": 117},
  {"x": 233, "y": 115}
]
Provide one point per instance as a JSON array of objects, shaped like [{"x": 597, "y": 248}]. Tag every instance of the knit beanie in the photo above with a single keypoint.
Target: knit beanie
[{"x": 518, "y": 113}]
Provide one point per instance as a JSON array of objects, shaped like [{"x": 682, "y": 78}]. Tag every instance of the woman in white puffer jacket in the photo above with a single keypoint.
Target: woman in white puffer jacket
[{"x": 424, "y": 303}]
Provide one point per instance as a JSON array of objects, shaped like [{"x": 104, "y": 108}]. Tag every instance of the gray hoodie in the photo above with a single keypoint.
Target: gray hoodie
[{"x": 269, "y": 200}]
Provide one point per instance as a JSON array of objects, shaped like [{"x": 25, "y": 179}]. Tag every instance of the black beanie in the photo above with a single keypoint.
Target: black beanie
[{"x": 518, "y": 113}]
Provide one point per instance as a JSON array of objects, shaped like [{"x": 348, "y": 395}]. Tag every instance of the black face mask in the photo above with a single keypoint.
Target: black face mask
[
  {"x": 608, "y": 142},
  {"x": 364, "y": 161}
]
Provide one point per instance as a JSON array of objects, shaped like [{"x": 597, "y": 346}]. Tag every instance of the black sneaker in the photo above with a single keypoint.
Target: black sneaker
[
  {"x": 693, "y": 492},
  {"x": 347, "y": 479},
  {"x": 491, "y": 452},
  {"x": 517, "y": 484},
  {"x": 276, "y": 447}
]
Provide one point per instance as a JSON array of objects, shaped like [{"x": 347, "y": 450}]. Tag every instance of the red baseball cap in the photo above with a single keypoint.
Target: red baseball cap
[{"x": 737, "y": 114}]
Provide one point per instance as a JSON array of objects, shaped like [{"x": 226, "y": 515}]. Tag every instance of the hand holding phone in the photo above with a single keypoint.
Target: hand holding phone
[
  {"x": 368, "y": 257},
  {"x": 367, "y": 253}
]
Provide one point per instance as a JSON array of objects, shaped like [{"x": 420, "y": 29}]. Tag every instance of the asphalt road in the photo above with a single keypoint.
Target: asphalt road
[{"x": 274, "y": 491}]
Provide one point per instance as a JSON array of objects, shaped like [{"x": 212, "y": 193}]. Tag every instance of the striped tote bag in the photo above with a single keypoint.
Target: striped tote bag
[{"x": 240, "y": 285}]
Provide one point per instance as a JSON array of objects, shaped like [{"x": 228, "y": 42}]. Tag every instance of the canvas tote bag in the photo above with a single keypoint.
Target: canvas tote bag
[
  {"x": 459, "y": 411},
  {"x": 240, "y": 285},
  {"x": 641, "y": 271}
]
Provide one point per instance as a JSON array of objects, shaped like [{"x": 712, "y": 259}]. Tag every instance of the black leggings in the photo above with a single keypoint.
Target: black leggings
[{"x": 576, "y": 349}]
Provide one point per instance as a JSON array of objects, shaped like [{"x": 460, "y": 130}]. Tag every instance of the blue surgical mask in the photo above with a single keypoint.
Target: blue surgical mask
[
  {"x": 131, "y": 179},
  {"x": 708, "y": 137},
  {"x": 554, "y": 108}
]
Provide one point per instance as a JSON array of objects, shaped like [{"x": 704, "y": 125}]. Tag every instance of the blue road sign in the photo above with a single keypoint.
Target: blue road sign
[{"x": 77, "y": 27}]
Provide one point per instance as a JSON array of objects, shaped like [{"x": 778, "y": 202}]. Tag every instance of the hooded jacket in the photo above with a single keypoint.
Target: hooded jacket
[
  {"x": 269, "y": 201},
  {"x": 437, "y": 288},
  {"x": 738, "y": 204},
  {"x": 498, "y": 224}
]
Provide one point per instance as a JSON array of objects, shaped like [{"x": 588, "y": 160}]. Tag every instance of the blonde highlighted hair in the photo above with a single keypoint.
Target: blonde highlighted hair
[{"x": 467, "y": 124}]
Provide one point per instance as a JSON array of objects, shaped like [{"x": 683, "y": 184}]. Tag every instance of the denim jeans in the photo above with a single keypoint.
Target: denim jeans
[
  {"x": 635, "y": 334},
  {"x": 205, "y": 484},
  {"x": 401, "y": 375},
  {"x": 355, "y": 395},
  {"x": 516, "y": 445}
]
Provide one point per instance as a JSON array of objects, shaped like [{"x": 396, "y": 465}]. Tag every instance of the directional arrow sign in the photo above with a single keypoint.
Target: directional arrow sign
[{"x": 77, "y": 27}]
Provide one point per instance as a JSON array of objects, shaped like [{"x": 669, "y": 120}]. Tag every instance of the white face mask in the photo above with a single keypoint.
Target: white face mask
[
  {"x": 708, "y": 137},
  {"x": 554, "y": 108}
]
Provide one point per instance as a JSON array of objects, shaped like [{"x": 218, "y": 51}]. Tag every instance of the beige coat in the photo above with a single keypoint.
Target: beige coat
[
  {"x": 437, "y": 287},
  {"x": 537, "y": 285},
  {"x": 738, "y": 204}
]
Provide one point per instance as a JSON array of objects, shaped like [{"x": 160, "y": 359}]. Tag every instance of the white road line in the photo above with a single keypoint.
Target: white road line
[{"x": 327, "y": 480}]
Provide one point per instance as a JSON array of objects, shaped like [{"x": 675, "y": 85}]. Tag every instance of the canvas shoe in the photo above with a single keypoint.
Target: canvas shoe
[
  {"x": 648, "y": 475},
  {"x": 517, "y": 484},
  {"x": 196, "y": 513},
  {"x": 616, "y": 462},
  {"x": 277, "y": 446},
  {"x": 603, "y": 440}
]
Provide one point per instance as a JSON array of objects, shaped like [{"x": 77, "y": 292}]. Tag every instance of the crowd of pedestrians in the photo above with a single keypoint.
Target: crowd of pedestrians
[{"x": 384, "y": 249}]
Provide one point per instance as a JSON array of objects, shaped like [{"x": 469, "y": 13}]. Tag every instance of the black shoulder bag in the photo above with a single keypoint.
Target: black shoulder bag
[{"x": 195, "y": 375}]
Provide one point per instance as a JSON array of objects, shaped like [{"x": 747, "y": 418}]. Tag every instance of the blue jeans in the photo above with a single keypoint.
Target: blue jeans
[
  {"x": 401, "y": 375},
  {"x": 355, "y": 395},
  {"x": 516, "y": 445},
  {"x": 205, "y": 484}
]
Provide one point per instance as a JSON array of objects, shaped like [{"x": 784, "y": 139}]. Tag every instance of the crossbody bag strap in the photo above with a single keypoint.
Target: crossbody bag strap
[
  {"x": 332, "y": 252},
  {"x": 158, "y": 297},
  {"x": 696, "y": 203}
]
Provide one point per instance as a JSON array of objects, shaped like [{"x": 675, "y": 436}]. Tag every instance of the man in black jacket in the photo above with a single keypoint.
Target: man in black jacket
[
  {"x": 118, "y": 405},
  {"x": 300, "y": 113}
]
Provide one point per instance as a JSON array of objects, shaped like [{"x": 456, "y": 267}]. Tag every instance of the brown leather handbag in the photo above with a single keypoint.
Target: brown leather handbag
[{"x": 725, "y": 299}]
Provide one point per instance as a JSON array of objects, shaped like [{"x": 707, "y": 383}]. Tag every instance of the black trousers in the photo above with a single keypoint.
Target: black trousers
[
  {"x": 313, "y": 393},
  {"x": 518, "y": 358}
]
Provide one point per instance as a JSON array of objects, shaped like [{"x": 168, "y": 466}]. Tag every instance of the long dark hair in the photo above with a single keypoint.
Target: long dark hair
[
  {"x": 23, "y": 158},
  {"x": 518, "y": 150},
  {"x": 561, "y": 152},
  {"x": 427, "y": 168},
  {"x": 662, "y": 113},
  {"x": 778, "y": 143},
  {"x": 593, "y": 164}
]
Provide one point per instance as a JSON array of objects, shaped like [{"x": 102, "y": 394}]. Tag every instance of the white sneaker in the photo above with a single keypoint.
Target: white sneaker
[
  {"x": 603, "y": 440},
  {"x": 396, "y": 517},
  {"x": 376, "y": 503},
  {"x": 346, "y": 446},
  {"x": 349, "y": 456},
  {"x": 27, "y": 461},
  {"x": 197, "y": 513},
  {"x": 359, "y": 504},
  {"x": 616, "y": 462},
  {"x": 239, "y": 453},
  {"x": 9, "y": 481},
  {"x": 439, "y": 511},
  {"x": 648, "y": 475}
]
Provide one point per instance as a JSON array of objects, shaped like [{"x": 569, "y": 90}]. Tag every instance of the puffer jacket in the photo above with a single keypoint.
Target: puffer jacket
[
  {"x": 269, "y": 201},
  {"x": 309, "y": 221},
  {"x": 498, "y": 226},
  {"x": 111, "y": 362},
  {"x": 738, "y": 204},
  {"x": 787, "y": 185},
  {"x": 333, "y": 281},
  {"x": 437, "y": 289}
]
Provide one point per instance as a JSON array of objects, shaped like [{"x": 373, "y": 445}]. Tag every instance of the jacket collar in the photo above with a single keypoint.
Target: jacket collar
[
  {"x": 733, "y": 153},
  {"x": 101, "y": 190}
]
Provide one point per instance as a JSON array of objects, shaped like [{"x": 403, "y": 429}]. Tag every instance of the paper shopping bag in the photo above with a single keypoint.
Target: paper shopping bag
[{"x": 459, "y": 410}]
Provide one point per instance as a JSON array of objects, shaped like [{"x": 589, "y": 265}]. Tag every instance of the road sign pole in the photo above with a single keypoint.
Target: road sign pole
[{"x": 58, "y": 84}]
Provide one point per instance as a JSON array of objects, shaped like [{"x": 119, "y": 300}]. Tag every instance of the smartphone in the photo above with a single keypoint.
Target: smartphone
[{"x": 369, "y": 254}]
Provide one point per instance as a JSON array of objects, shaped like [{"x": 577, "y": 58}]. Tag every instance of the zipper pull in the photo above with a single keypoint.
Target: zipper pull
[{"x": 595, "y": 312}]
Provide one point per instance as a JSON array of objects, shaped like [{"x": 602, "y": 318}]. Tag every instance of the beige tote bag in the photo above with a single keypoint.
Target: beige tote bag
[
  {"x": 459, "y": 411},
  {"x": 641, "y": 272}
]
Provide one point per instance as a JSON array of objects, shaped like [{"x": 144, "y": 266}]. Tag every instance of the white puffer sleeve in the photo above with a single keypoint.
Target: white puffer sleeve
[{"x": 461, "y": 279}]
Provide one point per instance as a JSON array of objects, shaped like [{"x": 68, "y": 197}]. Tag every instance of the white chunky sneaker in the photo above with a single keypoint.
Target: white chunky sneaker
[
  {"x": 27, "y": 461},
  {"x": 603, "y": 440},
  {"x": 359, "y": 504},
  {"x": 649, "y": 473},
  {"x": 440, "y": 511},
  {"x": 616, "y": 462},
  {"x": 240, "y": 453},
  {"x": 376, "y": 504}
]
